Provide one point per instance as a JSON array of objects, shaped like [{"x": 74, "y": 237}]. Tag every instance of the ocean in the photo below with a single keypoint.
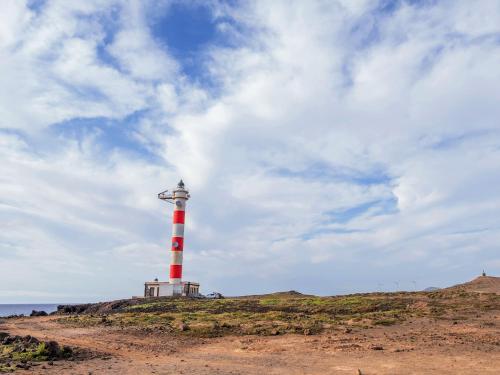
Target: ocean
[{"x": 24, "y": 308}]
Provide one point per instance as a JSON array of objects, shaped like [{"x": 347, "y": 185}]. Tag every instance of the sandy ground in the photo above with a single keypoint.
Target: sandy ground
[{"x": 419, "y": 347}]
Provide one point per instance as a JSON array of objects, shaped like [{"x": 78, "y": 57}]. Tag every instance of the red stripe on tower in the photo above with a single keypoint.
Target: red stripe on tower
[
  {"x": 177, "y": 243},
  {"x": 179, "y": 216},
  {"x": 176, "y": 271}
]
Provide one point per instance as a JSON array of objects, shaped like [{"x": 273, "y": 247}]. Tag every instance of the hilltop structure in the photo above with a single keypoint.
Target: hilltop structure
[{"x": 175, "y": 286}]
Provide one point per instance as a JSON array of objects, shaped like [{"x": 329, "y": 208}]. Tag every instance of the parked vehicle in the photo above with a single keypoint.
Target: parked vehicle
[{"x": 214, "y": 295}]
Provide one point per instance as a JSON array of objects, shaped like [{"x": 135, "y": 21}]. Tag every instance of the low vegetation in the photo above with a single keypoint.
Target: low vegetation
[
  {"x": 26, "y": 351},
  {"x": 281, "y": 313}
]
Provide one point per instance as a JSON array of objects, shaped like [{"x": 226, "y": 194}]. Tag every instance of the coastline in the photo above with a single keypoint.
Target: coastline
[{"x": 7, "y": 309}]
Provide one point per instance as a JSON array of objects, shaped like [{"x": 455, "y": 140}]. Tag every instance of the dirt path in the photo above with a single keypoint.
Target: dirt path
[{"x": 419, "y": 347}]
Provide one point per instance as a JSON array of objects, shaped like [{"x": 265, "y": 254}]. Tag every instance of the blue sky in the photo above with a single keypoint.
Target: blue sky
[{"x": 329, "y": 147}]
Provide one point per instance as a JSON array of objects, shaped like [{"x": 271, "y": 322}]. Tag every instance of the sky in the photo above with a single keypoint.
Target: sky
[{"x": 329, "y": 147}]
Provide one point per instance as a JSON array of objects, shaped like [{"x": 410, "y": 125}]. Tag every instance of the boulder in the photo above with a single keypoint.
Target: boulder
[
  {"x": 38, "y": 313},
  {"x": 53, "y": 349}
]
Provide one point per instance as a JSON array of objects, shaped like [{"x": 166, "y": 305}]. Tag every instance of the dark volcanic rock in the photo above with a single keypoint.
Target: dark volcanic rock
[
  {"x": 14, "y": 316},
  {"x": 73, "y": 309},
  {"x": 25, "y": 351},
  {"x": 38, "y": 313},
  {"x": 53, "y": 349}
]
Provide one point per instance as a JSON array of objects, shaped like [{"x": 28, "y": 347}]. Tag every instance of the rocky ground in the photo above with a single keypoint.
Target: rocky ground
[
  {"x": 452, "y": 331},
  {"x": 27, "y": 352}
]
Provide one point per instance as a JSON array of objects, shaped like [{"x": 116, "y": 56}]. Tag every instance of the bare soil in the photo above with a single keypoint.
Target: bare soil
[
  {"x": 481, "y": 284},
  {"x": 422, "y": 346}
]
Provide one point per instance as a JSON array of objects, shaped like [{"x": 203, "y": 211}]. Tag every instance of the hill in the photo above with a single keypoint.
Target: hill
[
  {"x": 431, "y": 289},
  {"x": 481, "y": 284}
]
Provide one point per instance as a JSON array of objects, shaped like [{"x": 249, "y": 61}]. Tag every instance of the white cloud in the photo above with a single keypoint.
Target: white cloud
[
  {"x": 136, "y": 51},
  {"x": 344, "y": 144},
  {"x": 15, "y": 19},
  {"x": 53, "y": 65}
]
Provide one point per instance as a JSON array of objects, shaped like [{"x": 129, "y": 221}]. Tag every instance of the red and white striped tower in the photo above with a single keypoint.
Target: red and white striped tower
[{"x": 179, "y": 197}]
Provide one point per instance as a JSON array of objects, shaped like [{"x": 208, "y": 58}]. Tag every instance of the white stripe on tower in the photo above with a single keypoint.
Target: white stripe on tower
[
  {"x": 176, "y": 257},
  {"x": 178, "y": 230}
]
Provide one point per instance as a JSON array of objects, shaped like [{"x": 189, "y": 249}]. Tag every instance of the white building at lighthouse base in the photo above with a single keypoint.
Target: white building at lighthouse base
[{"x": 165, "y": 289}]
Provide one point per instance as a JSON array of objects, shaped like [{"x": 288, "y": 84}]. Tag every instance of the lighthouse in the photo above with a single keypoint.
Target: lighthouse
[
  {"x": 179, "y": 197},
  {"x": 175, "y": 286}
]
